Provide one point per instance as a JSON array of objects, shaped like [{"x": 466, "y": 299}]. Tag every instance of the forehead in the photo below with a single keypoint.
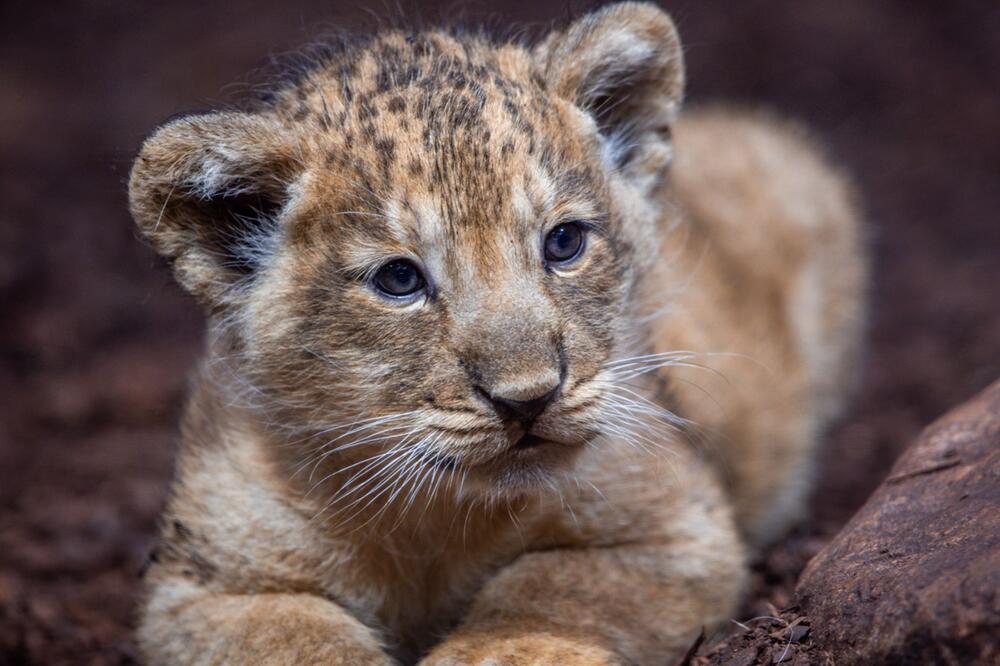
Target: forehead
[{"x": 459, "y": 131}]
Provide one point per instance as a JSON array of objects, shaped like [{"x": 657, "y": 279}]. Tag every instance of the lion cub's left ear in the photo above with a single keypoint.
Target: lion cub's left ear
[{"x": 623, "y": 65}]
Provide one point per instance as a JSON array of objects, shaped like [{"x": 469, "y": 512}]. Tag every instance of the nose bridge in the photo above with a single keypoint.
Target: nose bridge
[
  {"x": 521, "y": 360},
  {"x": 510, "y": 344}
]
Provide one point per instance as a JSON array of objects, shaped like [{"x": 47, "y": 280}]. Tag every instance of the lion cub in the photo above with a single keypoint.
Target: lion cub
[{"x": 508, "y": 361}]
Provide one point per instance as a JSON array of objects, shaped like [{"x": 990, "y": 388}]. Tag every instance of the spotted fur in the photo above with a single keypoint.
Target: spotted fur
[{"x": 349, "y": 490}]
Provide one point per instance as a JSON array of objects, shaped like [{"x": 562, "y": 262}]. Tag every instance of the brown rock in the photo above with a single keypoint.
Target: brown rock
[{"x": 914, "y": 577}]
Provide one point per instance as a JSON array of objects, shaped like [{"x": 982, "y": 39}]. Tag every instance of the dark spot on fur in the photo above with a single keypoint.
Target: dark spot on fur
[
  {"x": 179, "y": 548},
  {"x": 152, "y": 558},
  {"x": 346, "y": 90},
  {"x": 397, "y": 104},
  {"x": 366, "y": 110},
  {"x": 410, "y": 75},
  {"x": 458, "y": 80},
  {"x": 386, "y": 150},
  {"x": 421, "y": 45}
]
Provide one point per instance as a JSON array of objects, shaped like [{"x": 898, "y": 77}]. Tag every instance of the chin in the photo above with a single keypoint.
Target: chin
[{"x": 534, "y": 463}]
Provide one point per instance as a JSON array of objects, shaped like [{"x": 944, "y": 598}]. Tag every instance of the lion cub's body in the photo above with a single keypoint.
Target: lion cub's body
[{"x": 757, "y": 272}]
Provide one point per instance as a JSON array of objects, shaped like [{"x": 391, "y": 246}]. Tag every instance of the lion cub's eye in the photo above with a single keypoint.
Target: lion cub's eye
[
  {"x": 564, "y": 243},
  {"x": 399, "y": 278}
]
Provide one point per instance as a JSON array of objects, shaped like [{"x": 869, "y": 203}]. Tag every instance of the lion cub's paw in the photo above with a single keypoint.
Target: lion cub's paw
[{"x": 539, "y": 649}]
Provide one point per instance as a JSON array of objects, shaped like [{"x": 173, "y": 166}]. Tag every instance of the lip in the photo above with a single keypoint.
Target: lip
[{"x": 523, "y": 449}]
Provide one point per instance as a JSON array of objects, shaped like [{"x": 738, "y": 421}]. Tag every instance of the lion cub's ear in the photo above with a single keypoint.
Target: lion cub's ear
[
  {"x": 623, "y": 65},
  {"x": 208, "y": 192}
]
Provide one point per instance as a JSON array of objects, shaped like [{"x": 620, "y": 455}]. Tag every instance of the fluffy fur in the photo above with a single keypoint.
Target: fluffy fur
[{"x": 346, "y": 491}]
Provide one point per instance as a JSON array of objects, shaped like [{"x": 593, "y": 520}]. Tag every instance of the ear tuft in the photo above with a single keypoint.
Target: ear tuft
[
  {"x": 208, "y": 191},
  {"x": 622, "y": 64}
]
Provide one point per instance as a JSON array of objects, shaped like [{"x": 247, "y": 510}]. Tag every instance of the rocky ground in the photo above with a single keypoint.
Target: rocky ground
[{"x": 95, "y": 341}]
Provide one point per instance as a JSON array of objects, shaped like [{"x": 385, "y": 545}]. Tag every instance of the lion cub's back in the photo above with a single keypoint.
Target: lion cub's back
[
  {"x": 770, "y": 268},
  {"x": 787, "y": 221}
]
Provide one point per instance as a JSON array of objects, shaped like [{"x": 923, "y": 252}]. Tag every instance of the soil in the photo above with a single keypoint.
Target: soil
[
  {"x": 778, "y": 637},
  {"x": 96, "y": 341}
]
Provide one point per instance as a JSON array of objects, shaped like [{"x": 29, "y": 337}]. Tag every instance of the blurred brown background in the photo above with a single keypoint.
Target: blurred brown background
[{"x": 95, "y": 340}]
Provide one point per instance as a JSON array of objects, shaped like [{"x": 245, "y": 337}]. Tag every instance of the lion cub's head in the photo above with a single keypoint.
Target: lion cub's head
[{"x": 423, "y": 251}]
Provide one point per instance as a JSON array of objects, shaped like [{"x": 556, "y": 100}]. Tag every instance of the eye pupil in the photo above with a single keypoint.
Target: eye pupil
[
  {"x": 564, "y": 243},
  {"x": 399, "y": 278}
]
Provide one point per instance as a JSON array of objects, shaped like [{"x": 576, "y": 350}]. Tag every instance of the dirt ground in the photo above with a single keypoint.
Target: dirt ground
[{"x": 95, "y": 340}]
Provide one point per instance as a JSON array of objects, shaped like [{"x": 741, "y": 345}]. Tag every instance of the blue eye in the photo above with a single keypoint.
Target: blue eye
[
  {"x": 564, "y": 243},
  {"x": 399, "y": 278}
]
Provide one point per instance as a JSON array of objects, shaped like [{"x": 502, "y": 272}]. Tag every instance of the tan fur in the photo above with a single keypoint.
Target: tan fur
[
  {"x": 774, "y": 272},
  {"x": 346, "y": 494}
]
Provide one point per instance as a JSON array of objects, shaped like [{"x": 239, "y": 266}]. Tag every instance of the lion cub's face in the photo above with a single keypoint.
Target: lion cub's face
[
  {"x": 471, "y": 281},
  {"x": 425, "y": 250}
]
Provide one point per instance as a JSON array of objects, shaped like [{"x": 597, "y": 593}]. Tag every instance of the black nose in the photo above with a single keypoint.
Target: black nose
[{"x": 524, "y": 411}]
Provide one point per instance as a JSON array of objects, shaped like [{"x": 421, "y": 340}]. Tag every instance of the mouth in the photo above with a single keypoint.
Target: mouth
[
  {"x": 524, "y": 463},
  {"x": 529, "y": 441},
  {"x": 526, "y": 443}
]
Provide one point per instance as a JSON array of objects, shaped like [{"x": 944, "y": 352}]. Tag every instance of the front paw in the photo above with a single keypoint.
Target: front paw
[{"x": 528, "y": 649}]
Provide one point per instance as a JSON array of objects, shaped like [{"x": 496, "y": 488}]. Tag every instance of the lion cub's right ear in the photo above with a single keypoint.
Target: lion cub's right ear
[
  {"x": 623, "y": 65},
  {"x": 208, "y": 192}
]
